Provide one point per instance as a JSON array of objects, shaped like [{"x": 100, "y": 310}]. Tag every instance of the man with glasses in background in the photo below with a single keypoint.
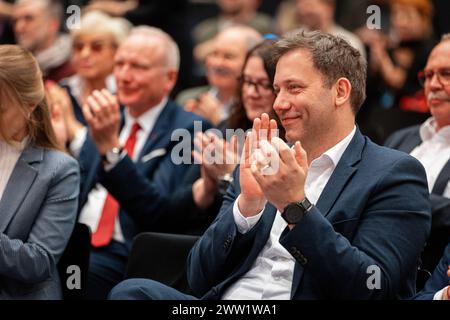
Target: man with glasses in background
[{"x": 430, "y": 144}]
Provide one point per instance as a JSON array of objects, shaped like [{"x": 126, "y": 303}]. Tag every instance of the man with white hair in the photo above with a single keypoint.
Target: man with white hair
[
  {"x": 430, "y": 144},
  {"x": 37, "y": 26},
  {"x": 223, "y": 69},
  {"x": 127, "y": 165}
]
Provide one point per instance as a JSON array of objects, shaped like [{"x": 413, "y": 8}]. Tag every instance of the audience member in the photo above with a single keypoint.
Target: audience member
[
  {"x": 94, "y": 45},
  {"x": 39, "y": 185},
  {"x": 37, "y": 26},
  {"x": 430, "y": 144}
]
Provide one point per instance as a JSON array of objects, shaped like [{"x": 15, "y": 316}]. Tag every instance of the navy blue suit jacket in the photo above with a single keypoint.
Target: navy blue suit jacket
[
  {"x": 406, "y": 140},
  {"x": 374, "y": 210},
  {"x": 438, "y": 280},
  {"x": 143, "y": 188}
]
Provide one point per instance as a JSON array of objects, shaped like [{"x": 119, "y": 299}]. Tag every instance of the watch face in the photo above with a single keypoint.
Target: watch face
[{"x": 293, "y": 214}]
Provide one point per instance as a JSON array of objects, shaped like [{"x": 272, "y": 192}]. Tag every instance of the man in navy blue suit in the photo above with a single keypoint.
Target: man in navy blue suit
[
  {"x": 126, "y": 162},
  {"x": 333, "y": 217},
  {"x": 437, "y": 287},
  {"x": 430, "y": 144}
]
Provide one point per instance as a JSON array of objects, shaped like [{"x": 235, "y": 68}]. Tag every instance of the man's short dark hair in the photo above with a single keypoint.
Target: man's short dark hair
[{"x": 333, "y": 56}]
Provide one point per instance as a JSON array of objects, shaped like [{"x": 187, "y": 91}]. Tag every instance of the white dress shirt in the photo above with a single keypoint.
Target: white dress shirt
[
  {"x": 92, "y": 210},
  {"x": 270, "y": 277},
  {"x": 433, "y": 152},
  {"x": 9, "y": 155}
]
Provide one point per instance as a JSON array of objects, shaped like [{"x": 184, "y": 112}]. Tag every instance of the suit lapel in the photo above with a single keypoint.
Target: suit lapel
[
  {"x": 341, "y": 174},
  {"x": 20, "y": 182},
  {"x": 159, "y": 131},
  {"x": 442, "y": 180},
  {"x": 411, "y": 142}
]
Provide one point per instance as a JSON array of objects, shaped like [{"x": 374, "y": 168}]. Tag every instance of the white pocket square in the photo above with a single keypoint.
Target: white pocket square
[{"x": 154, "y": 154}]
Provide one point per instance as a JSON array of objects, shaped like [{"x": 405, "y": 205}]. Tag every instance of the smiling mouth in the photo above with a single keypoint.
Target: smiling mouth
[{"x": 289, "y": 120}]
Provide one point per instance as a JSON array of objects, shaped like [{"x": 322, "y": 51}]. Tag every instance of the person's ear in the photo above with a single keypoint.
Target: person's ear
[
  {"x": 172, "y": 76},
  {"x": 342, "y": 91}
]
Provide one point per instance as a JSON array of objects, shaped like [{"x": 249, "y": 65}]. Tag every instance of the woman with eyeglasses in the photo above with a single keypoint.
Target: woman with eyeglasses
[
  {"x": 39, "y": 184},
  {"x": 94, "y": 46}
]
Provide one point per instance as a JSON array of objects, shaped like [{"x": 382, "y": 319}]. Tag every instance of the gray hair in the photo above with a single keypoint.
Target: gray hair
[
  {"x": 99, "y": 22},
  {"x": 333, "y": 57},
  {"x": 250, "y": 36},
  {"x": 445, "y": 37},
  {"x": 172, "y": 52},
  {"x": 52, "y": 7}
]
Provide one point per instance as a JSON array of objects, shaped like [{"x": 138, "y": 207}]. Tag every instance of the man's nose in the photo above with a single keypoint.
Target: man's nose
[{"x": 281, "y": 103}]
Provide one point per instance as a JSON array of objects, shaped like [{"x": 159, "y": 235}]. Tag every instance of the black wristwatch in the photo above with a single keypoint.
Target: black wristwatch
[{"x": 294, "y": 212}]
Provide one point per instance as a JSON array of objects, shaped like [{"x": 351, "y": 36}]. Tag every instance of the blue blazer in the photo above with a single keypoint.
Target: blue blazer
[
  {"x": 406, "y": 140},
  {"x": 37, "y": 214},
  {"x": 143, "y": 188},
  {"x": 438, "y": 280},
  {"x": 374, "y": 210}
]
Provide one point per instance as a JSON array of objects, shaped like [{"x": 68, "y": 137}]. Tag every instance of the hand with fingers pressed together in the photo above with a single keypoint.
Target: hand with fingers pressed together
[
  {"x": 270, "y": 170},
  {"x": 102, "y": 113}
]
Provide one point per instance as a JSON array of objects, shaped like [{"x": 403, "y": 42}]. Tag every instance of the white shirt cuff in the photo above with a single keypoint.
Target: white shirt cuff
[
  {"x": 244, "y": 224},
  {"x": 438, "y": 295},
  {"x": 109, "y": 166},
  {"x": 77, "y": 143}
]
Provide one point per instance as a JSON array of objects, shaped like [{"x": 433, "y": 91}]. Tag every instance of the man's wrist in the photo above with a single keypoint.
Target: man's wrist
[{"x": 250, "y": 207}]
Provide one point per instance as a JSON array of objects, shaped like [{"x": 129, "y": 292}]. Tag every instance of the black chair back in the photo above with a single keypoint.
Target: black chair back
[{"x": 161, "y": 257}]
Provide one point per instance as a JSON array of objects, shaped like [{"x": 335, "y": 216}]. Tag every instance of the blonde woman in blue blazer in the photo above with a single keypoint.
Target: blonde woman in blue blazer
[{"x": 39, "y": 184}]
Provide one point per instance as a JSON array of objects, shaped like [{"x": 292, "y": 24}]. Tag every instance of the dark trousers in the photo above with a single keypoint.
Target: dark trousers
[
  {"x": 144, "y": 289},
  {"x": 106, "y": 269}
]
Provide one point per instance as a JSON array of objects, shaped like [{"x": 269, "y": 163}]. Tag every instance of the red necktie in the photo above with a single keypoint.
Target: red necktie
[{"x": 103, "y": 235}]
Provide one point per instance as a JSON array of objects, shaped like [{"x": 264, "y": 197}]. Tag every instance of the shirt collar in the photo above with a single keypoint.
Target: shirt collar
[
  {"x": 76, "y": 84},
  {"x": 226, "y": 107},
  {"x": 429, "y": 129},
  {"x": 146, "y": 120},
  {"x": 335, "y": 153}
]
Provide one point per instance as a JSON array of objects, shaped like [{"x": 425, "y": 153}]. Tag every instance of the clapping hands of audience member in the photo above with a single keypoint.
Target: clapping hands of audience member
[
  {"x": 270, "y": 169},
  {"x": 102, "y": 113},
  {"x": 57, "y": 118},
  {"x": 205, "y": 106},
  {"x": 60, "y": 100},
  {"x": 218, "y": 158}
]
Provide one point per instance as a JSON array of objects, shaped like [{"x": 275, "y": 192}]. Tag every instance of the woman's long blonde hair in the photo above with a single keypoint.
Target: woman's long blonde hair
[{"x": 21, "y": 84}]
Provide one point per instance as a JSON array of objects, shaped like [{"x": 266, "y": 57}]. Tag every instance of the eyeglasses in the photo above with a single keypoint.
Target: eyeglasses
[
  {"x": 95, "y": 47},
  {"x": 260, "y": 87},
  {"x": 443, "y": 76}
]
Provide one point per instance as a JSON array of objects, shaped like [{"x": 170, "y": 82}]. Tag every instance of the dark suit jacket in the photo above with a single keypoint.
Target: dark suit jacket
[
  {"x": 406, "y": 140},
  {"x": 438, "y": 280},
  {"x": 374, "y": 210},
  {"x": 143, "y": 188}
]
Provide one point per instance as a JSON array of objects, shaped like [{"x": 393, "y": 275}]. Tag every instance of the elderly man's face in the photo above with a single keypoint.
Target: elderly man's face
[
  {"x": 142, "y": 76},
  {"x": 304, "y": 104},
  {"x": 224, "y": 64},
  {"x": 32, "y": 25},
  {"x": 437, "y": 91}
]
